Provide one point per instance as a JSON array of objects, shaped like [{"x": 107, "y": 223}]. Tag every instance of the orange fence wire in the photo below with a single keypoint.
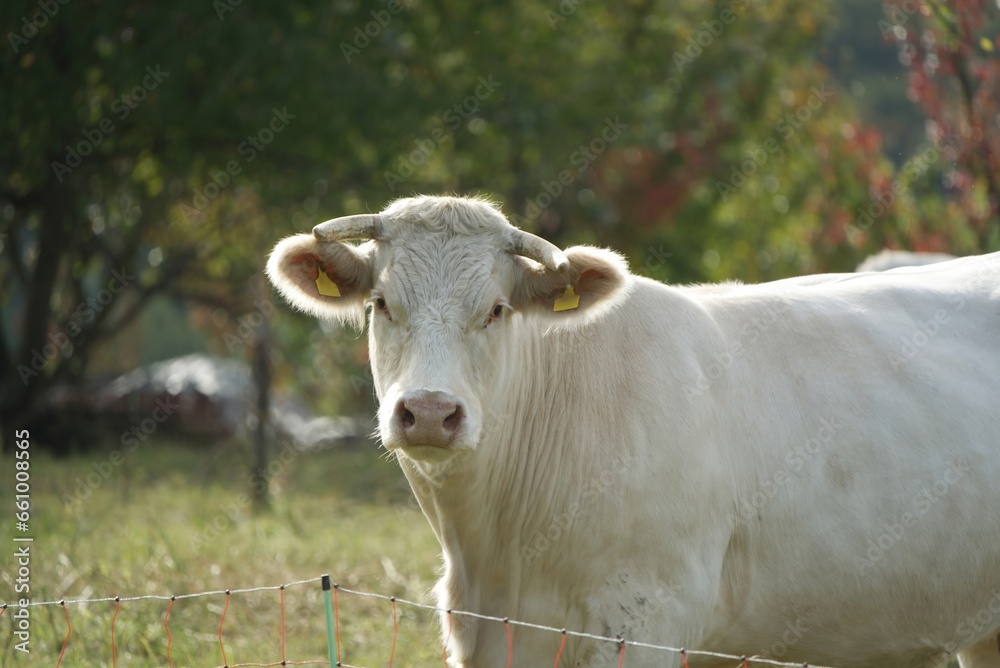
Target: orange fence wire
[
  {"x": 69, "y": 632},
  {"x": 114, "y": 652},
  {"x": 394, "y": 601}
]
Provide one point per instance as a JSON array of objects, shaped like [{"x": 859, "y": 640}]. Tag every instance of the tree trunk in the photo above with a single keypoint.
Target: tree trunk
[
  {"x": 262, "y": 386},
  {"x": 22, "y": 383}
]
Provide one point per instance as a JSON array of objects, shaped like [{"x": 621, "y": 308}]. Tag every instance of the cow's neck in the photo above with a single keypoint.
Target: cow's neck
[{"x": 502, "y": 484}]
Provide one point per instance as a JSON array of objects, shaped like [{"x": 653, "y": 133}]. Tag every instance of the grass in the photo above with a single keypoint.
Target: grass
[
  {"x": 147, "y": 528},
  {"x": 170, "y": 519}
]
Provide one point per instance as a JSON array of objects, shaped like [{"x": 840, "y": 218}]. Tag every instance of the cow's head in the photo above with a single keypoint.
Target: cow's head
[{"x": 451, "y": 287}]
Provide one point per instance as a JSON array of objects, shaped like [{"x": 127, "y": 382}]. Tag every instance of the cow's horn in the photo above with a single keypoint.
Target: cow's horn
[
  {"x": 540, "y": 250},
  {"x": 363, "y": 226}
]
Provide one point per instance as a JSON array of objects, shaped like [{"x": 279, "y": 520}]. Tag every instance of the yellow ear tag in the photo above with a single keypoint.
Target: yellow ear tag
[
  {"x": 325, "y": 286},
  {"x": 569, "y": 301}
]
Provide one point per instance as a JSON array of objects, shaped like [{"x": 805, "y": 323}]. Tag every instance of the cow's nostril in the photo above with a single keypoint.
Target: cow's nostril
[
  {"x": 452, "y": 421},
  {"x": 427, "y": 418}
]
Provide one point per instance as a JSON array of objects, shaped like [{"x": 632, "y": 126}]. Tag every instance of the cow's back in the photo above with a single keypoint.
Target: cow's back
[{"x": 866, "y": 420}]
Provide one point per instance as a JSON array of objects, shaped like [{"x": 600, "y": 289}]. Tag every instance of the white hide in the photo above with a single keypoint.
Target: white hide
[
  {"x": 891, "y": 259},
  {"x": 807, "y": 470}
]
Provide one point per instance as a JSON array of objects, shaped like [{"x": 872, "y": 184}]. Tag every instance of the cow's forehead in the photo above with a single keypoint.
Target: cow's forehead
[
  {"x": 458, "y": 216},
  {"x": 432, "y": 268},
  {"x": 443, "y": 248}
]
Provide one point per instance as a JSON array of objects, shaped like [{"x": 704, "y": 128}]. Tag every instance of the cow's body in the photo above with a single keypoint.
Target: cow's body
[
  {"x": 891, "y": 259},
  {"x": 807, "y": 470}
]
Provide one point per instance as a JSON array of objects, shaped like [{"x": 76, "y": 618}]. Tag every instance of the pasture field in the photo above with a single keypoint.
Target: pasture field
[{"x": 147, "y": 528}]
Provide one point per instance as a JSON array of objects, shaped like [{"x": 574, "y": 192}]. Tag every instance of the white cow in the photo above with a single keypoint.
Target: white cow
[
  {"x": 807, "y": 470},
  {"x": 890, "y": 259}
]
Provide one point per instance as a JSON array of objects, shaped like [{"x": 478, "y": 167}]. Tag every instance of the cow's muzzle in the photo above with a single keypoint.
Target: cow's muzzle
[{"x": 429, "y": 418}]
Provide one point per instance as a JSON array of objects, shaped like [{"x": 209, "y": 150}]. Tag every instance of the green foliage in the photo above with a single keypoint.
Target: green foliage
[
  {"x": 689, "y": 135},
  {"x": 951, "y": 52}
]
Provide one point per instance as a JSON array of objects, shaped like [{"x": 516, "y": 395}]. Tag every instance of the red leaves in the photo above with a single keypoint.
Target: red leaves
[{"x": 954, "y": 74}]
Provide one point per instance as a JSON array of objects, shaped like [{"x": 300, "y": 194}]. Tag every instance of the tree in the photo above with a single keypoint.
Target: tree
[
  {"x": 951, "y": 51},
  {"x": 175, "y": 143},
  {"x": 137, "y": 150}
]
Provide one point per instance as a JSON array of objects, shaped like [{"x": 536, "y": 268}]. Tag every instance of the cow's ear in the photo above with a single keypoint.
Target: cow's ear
[
  {"x": 296, "y": 269},
  {"x": 594, "y": 279}
]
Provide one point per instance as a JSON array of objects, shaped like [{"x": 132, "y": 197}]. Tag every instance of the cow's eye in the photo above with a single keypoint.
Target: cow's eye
[
  {"x": 378, "y": 302},
  {"x": 495, "y": 313}
]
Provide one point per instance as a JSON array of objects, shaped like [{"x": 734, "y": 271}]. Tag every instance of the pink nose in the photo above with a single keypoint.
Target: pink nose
[{"x": 429, "y": 418}]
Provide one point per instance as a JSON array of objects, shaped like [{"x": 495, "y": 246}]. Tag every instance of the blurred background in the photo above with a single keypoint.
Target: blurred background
[{"x": 152, "y": 153}]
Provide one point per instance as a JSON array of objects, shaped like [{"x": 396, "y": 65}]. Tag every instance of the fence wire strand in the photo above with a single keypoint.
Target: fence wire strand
[
  {"x": 622, "y": 643},
  {"x": 562, "y": 646},
  {"x": 222, "y": 620},
  {"x": 166, "y": 627},
  {"x": 510, "y": 642},
  {"x": 69, "y": 632},
  {"x": 581, "y": 634},
  {"x": 395, "y": 632},
  {"x": 283, "y": 662},
  {"x": 444, "y": 650},
  {"x": 160, "y": 597},
  {"x": 114, "y": 650}
]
